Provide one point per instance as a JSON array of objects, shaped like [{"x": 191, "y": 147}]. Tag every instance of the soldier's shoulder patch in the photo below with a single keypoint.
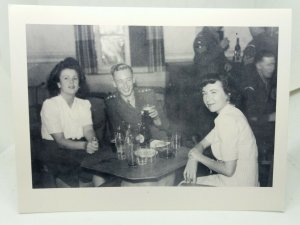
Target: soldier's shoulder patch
[
  {"x": 249, "y": 88},
  {"x": 144, "y": 90},
  {"x": 110, "y": 97}
]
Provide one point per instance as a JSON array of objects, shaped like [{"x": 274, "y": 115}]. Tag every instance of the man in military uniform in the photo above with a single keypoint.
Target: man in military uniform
[
  {"x": 127, "y": 103},
  {"x": 259, "y": 87},
  {"x": 209, "y": 47},
  {"x": 263, "y": 38}
]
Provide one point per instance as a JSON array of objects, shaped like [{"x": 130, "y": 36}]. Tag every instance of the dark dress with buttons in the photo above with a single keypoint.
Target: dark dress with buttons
[{"x": 120, "y": 112}]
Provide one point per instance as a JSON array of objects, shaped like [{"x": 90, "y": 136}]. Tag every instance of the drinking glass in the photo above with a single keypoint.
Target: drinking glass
[
  {"x": 145, "y": 111},
  {"x": 165, "y": 150},
  {"x": 130, "y": 156},
  {"x": 176, "y": 141},
  {"x": 119, "y": 142}
]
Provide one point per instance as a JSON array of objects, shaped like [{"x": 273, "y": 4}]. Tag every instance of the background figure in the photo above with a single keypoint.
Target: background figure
[
  {"x": 67, "y": 127},
  {"x": 231, "y": 140},
  {"x": 263, "y": 38},
  {"x": 209, "y": 47},
  {"x": 126, "y": 104},
  {"x": 259, "y": 87}
]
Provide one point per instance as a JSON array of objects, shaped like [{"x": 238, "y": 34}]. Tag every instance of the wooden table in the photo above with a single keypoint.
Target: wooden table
[{"x": 159, "y": 173}]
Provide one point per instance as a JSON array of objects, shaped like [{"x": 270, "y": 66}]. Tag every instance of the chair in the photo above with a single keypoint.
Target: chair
[{"x": 99, "y": 117}]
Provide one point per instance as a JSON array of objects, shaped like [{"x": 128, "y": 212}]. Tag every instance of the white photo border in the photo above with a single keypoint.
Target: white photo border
[{"x": 145, "y": 198}]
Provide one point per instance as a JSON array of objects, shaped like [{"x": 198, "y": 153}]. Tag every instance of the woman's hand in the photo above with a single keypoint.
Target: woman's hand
[
  {"x": 92, "y": 146},
  {"x": 190, "y": 171}
]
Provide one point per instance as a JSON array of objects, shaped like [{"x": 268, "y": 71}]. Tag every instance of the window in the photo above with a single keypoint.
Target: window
[{"x": 100, "y": 47}]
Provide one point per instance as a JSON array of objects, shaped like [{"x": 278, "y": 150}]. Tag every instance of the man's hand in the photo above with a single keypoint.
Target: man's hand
[
  {"x": 227, "y": 67},
  {"x": 224, "y": 43},
  {"x": 154, "y": 115}
]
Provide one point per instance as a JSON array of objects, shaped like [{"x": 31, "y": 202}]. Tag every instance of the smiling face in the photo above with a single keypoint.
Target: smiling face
[
  {"x": 124, "y": 82},
  {"x": 68, "y": 82},
  {"x": 214, "y": 97}
]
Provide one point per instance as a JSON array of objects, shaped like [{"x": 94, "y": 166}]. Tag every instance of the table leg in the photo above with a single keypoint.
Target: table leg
[{"x": 167, "y": 180}]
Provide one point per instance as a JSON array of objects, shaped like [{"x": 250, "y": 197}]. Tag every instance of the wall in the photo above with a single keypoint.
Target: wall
[
  {"x": 179, "y": 41},
  {"x": 179, "y": 47},
  {"x": 48, "y": 44}
]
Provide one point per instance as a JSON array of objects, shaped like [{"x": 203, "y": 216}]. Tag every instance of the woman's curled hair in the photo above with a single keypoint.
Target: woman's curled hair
[
  {"x": 53, "y": 79},
  {"x": 228, "y": 84}
]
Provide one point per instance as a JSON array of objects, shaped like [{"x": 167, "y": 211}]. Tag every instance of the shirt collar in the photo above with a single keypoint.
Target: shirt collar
[
  {"x": 226, "y": 108},
  {"x": 64, "y": 101}
]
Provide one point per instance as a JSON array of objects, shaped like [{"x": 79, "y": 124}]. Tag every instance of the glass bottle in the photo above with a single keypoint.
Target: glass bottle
[
  {"x": 237, "y": 50},
  {"x": 129, "y": 145},
  {"x": 144, "y": 131},
  {"x": 119, "y": 142}
]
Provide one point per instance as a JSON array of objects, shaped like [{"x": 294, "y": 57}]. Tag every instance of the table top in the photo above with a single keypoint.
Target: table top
[{"x": 107, "y": 162}]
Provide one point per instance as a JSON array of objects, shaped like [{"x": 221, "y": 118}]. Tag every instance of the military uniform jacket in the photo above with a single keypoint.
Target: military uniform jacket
[
  {"x": 260, "y": 101},
  {"x": 262, "y": 42},
  {"x": 120, "y": 111},
  {"x": 209, "y": 55}
]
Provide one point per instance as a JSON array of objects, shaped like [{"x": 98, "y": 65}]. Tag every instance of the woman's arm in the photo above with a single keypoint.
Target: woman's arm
[
  {"x": 62, "y": 142},
  {"x": 226, "y": 168},
  {"x": 227, "y": 133},
  {"x": 90, "y": 146},
  {"x": 190, "y": 170},
  {"x": 90, "y": 136},
  {"x": 89, "y": 133}
]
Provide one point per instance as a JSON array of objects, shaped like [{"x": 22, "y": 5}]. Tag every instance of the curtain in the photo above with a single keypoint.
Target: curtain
[
  {"x": 85, "y": 48},
  {"x": 156, "y": 49}
]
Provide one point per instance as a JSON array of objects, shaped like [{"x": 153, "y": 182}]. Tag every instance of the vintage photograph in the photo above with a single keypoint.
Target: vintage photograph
[
  {"x": 150, "y": 111},
  {"x": 115, "y": 106}
]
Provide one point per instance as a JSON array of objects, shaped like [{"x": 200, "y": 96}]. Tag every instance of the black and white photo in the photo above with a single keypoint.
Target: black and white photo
[{"x": 153, "y": 107}]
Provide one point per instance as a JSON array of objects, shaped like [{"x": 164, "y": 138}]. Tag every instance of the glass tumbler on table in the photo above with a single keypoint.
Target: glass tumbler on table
[
  {"x": 176, "y": 141},
  {"x": 119, "y": 142},
  {"x": 130, "y": 154},
  {"x": 165, "y": 150}
]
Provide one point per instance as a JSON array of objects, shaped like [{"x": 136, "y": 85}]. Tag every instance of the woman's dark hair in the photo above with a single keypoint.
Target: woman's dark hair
[
  {"x": 228, "y": 85},
  {"x": 53, "y": 79}
]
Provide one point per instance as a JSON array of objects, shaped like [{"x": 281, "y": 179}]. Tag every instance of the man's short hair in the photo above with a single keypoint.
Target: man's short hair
[
  {"x": 263, "y": 53},
  {"x": 120, "y": 67}
]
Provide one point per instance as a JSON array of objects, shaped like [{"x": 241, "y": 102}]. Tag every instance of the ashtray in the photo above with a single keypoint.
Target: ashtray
[{"x": 145, "y": 156}]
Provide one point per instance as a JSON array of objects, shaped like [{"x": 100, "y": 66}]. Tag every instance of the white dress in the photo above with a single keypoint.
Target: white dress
[
  {"x": 58, "y": 117},
  {"x": 232, "y": 139}
]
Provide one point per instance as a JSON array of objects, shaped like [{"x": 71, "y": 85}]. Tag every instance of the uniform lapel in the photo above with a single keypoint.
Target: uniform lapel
[{"x": 130, "y": 114}]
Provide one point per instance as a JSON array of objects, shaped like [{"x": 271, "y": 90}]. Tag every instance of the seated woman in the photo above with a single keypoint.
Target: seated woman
[
  {"x": 231, "y": 140},
  {"x": 67, "y": 127}
]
